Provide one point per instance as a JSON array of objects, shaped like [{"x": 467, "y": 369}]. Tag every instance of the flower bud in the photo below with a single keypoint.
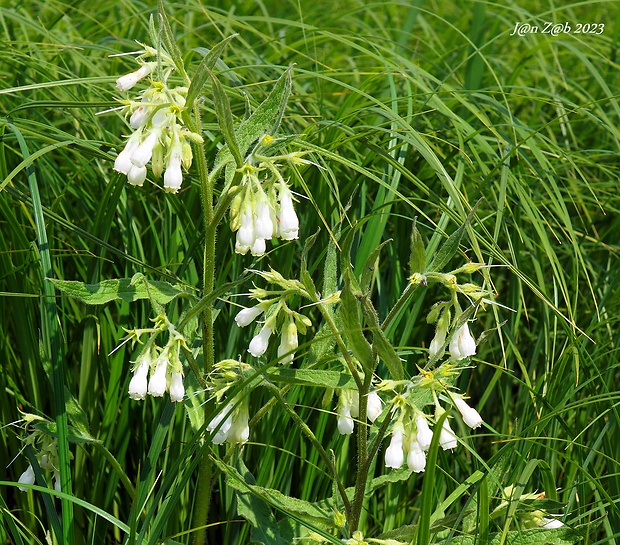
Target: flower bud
[
  {"x": 139, "y": 117},
  {"x": 345, "y": 422}
]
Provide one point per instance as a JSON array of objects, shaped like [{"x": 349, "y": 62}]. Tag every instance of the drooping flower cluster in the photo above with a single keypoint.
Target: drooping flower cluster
[
  {"x": 231, "y": 423},
  {"x": 279, "y": 316},
  {"x": 411, "y": 434},
  {"x": 156, "y": 117},
  {"x": 262, "y": 210},
  {"x": 348, "y": 409},
  {"x": 46, "y": 452},
  {"x": 158, "y": 370}
]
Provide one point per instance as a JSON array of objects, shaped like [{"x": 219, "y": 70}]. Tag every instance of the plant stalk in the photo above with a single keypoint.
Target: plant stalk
[{"x": 203, "y": 491}]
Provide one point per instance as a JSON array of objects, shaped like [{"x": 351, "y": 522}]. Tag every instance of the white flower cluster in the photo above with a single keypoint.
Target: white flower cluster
[
  {"x": 288, "y": 341},
  {"x": 231, "y": 423},
  {"x": 462, "y": 344},
  {"x": 259, "y": 213},
  {"x": 159, "y": 134},
  {"x": 47, "y": 457},
  {"x": 412, "y": 436},
  {"x": 158, "y": 371},
  {"x": 348, "y": 409}
]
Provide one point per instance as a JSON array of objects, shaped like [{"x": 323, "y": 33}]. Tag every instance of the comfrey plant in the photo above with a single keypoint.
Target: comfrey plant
[{"x": 406, "y": 406}]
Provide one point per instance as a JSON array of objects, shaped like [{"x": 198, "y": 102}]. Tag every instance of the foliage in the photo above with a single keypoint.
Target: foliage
[{"x": 435, "y": 139}]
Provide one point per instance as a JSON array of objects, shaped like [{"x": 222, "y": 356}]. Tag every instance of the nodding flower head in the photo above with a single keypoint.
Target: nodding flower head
[
  {"x": 176, "y": 388},
  {"x": 258, "y": 345},
  {"x": 395, "y": 454},
  {"x": 462, "y": 344},
  {"x": 139, "y": 384},
  {"x": 424, "y": 435},
  {"x": 345, "y": 406},
  {"x": 126, "y": 82},
  {"x": 470, "y": 416},
  {"x": 158, "y": 381},
  {"x": 447, "y": 438},
  {"x": 416, "y": 459}
]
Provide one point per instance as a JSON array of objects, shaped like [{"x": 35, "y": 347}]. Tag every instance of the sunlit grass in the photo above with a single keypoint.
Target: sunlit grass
[{"x": 412, "y": 112}]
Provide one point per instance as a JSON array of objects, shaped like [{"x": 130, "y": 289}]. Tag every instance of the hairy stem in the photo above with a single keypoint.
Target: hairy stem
[{"x": 203, "y": 491}]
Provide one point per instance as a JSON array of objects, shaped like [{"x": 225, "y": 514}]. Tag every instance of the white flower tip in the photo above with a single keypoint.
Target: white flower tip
[
  {"x": 27, "y": 477},
  {"x": 470, "y": 416},
  {"x": 258, "y": 345},
  {"x": 416, "y": 459},
  {"x": 447, "y": 438},
  {"x": 550, "y": 523},
  {"x": 374, "y": 407},
  {"x": 177, "y": 390},
  {"x": 394, "y": 454},
  {"x": 138, "y": 387},
  {"x": 247, "y": 315}
]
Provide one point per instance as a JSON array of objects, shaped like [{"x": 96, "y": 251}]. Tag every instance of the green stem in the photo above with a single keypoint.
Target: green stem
[
  {"x": 203, "y": 491},
  {"x": 407, "y": 293},
  {"x": 117, "y": 468},
  {"x": 362, "y": 455},
  {"x": 315, "y": 442}
]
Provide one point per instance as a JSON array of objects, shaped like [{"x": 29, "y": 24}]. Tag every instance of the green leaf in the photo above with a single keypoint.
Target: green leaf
[
  {"x": 254, "y": 504},
  {"x": 349, "y": 309},
  {"x": 167, "y": 37},
  {"x": 124, "y": 289},
  {"x": 381, "y": 343},
  {"x": 536, "y": 536},
  {"x": 264, "y": 120},
  {"x": 369, "y": 267},
  {"x": 417, "y": 260},
  {"x": 450, "y": 246},
  {"x": 203, "y": 71},
  {"x": 225, "y": 118},
  {"x": 313, "y": 377}
]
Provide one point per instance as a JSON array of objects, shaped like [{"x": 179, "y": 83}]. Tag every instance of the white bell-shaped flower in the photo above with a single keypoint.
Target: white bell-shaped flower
[
  {"x": 470, "y": 416},
  {"x": 374, "y": 406},
  {"x": 247, "y": 315},
  {"x": 416, "y": 459},
  {"x": 126, "y": 82},
  {"x": 288, "y": 222},
  {"x": 394, "y": 454},
  {"x": 225, "y": 419},
  {"x": 136, "y": 175},
  {"x": 462, "y": 343},
  {"x": 258, "y": 345},
  {"x": 176, "y": 388},
  {"x": 345, "y": 404},
  {"x": 447, "y": 438},
  {"x": 27, "y": 477},
  {"x": 288, "y": 343},
  {"x": 143, "y": 153},
  {"x": 139, "y": 384},
  {"x": 424, "y": 435},
  {"x": 158, "y": 381},
  {"x": 173, "y": 176}
]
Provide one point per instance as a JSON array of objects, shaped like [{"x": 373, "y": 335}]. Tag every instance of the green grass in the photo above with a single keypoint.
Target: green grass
[{"x": 413, "y": 109}]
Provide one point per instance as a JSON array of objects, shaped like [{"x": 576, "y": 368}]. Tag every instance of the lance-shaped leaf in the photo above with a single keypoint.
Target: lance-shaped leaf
[
  {"x": 313, "y": 377},
  {"x": 264, "y": 120},
  {"x": 349, "y": 309},
  {"x": 203, "y": 71},
  {"x": 417, "y": 260},
  {"x": 124, "y": 289},
  {"x": 170, "y": 43},
  {"x": 225, "y": 118},
  {"x": 450, "y": 246},
  {"x": 369, "y": 266},
  {"x": 381, "y": 343}
]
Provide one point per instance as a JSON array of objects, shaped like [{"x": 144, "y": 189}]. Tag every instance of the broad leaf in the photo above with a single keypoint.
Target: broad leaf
[{"x": 125, "y": 289}]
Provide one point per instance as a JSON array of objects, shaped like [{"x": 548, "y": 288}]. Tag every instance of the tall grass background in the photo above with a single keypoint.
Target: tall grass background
[{"x": 414, "y": 109}]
